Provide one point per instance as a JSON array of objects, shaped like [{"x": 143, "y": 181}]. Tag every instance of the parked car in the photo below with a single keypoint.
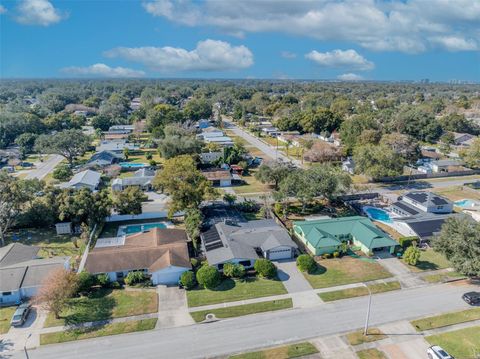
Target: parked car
[
  {"x": 436, "y": 352},
  {"x": 472, "y": 298},
  {"x": 20, "y": 315}
]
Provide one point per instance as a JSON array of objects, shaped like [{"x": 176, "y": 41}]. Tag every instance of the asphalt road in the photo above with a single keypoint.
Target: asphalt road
[
  {"x": 262, "y": 330},
  {"x": 45, "y": 167}
]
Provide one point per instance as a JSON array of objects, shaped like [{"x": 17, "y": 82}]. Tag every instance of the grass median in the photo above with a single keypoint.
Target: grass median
[
  {"x": 447, "y": 319},
  {"x": 285, "y": 352},
  {"x": 359, "y": 291},
  {"x": 100, "y": 331},
  {"x": 463, "y": 343},
  {"x": 239, "y": 310},
  {"x": 357, "y": 338}
]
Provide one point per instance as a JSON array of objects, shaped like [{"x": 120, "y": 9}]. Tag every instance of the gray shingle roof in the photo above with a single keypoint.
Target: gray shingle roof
[
  {"x": 15, "y": 253},
  {"x": 87, "y": 177}
]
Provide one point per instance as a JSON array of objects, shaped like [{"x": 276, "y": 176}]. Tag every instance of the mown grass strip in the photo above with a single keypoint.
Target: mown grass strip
[
  {"x": 285, "y": 352},
  {"x": 357, "y": 338},
  {"x": 359, "y": 291},
  {"x": 447, "y": 319}
]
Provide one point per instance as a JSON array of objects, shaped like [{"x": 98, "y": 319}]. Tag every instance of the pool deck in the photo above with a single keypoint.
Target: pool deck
[{"x": 121, "y": 230}]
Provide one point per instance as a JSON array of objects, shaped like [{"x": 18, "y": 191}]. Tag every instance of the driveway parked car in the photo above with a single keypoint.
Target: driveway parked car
[
  {"x": 20, "y": 315},
  {"x": 472, "y": 298},
  {"x": 436, "y": 352}
]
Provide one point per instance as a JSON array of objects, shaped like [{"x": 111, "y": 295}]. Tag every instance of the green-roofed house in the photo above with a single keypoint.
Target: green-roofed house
[{"x": 326, "y": 235}]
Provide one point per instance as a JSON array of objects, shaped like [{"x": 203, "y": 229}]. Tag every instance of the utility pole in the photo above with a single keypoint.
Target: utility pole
[
  {"x": 25, "y": 345},
  {"x": 365, "y": 331}
]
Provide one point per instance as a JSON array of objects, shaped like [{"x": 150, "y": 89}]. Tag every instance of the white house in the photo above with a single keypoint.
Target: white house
[
  {"x": 161, "y": 253},
  {"x": 116, "y": 145},
  {"x": 271, "y": 131},
  {"x": 141, "y": 178},
  {"x": 219, "y": 177},
  {"x": 416, "y": 202},
  {"x": 85, "y": 179}
]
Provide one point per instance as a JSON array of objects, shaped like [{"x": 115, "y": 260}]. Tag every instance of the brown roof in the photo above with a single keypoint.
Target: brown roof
[
  {"x": 153, "y": 250},
  {"x": 217, "y": 175},
  {"x": 114, "y": 136}
]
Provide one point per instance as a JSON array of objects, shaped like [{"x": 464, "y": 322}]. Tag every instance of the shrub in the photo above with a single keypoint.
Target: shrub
[
  {"x": 103, "y": 280},
  {"x": 265, "y": 268},
  {"x": 208, "y": 277},
  {"x": 406, "y": 242},
  {"x": 85, "y": 282},
  {"x": 326, "y": 255},
  {"x": 187, "y": 279},
  {"x": 344, "y": 248},
  {"x": 336, "y": 254},
  {"x": 233, "y": 270},
  {"x": 306, "y": 263},
  {"x": 62, "y": 173},
  {"x": 194, "y": 262},
  {"x": 115, "y": 285},
  {"x": 411, "y": 255},
  {"x": 135, "y": 277},
  {"x": 152, "y": 163},
  {"x": 149, "y": 156}
]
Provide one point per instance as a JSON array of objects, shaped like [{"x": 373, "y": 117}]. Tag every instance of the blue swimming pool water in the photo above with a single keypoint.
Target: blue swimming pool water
[
  {"x": 132, "y": 165},
  {"x": 466, "y": 203},
  {"x": 136, "y": 228},
  {"x": 377, "y": 214}
]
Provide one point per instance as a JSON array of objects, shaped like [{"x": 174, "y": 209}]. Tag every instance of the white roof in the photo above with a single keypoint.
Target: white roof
[{"x": 110, "y": 242}]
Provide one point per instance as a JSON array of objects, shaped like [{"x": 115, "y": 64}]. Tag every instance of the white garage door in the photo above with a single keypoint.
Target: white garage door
[
  {"x": 280, "y": 254},
  {"x": 168, "y": 277}
]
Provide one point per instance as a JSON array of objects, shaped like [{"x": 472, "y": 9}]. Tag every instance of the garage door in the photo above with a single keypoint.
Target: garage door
[
  {"x": 280, "y": 254},
  {"x": 168, "y": 278}
]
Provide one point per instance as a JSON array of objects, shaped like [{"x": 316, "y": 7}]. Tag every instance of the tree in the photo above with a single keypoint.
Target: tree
[
  {"x": 178, "y": 141},
  {"x": 306, "y": 263},
  {"x": 59, "y": 286},
  {"x": 447, "y": 140},
  {"x": 135, "y": 277},
  {"x": 471, "y": 156},
  {"x": 185, "y": 184},
  {"x": 411, "y": 255},
  {"x": 187, "y": 280},
  {"x": 101, "y": 122},
  {"x": 459, "y": 241},
  {"x": 62, "y": 173},
  {"x": 85, "y": 281},
  {"x": 458, "y": 123},
  {"x": 320, "y": 120},
  {"x": 68, "y": 143},
  {"x": 126, "y": 153},
  {"x": 274, "y": 172},
  {"x": 404, "y": 145},
  {"x": 233, "y": 155},
  {"x": 197, "y": 109},
  {"x": 129, "y": 201},
  {"x": 419, "y": 124},
  {"x": 265, "y": 268},
  {"x": 352, "y": 127},
  {"x": 162, "y": 115},
  {"x": 233, "y": 270},
  {"x": 229, "y": 198},
  {"x": 208, "y": 277},
  {"x": 26, "y": 141},
  {"x": 193, "y": 224},
  {"x": 378, "y": 161}
]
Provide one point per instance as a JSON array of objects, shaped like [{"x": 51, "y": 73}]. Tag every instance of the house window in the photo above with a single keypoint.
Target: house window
[
  {"x": 6, "y": 293},
  {"x": 245, "y": 263},
  {"x": 220, "y": 266}
]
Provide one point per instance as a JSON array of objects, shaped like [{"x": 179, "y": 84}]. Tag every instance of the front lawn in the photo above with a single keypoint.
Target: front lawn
[
  {"x": 430, "y": 260},
  {"x": 357, "y": 338},
  {"x": 101, "y": 331},
  {"x": 233, "y": 290},
  {"x": 359, "y": 291},
  {"x": 239, "y": 310},
  {"x": 285, "y": 352},
  {"x": 443, "y": 277},
  {"x": 346, "y": 270},
  {"x": 444, "y": 320},
  {"x": 463, "y": 343},
  {"x": 371, "y": 354},
  {"x": 6, "y": 315},
  {"x": 106, "y": 304},
  {"x": 252, "y": 185}
]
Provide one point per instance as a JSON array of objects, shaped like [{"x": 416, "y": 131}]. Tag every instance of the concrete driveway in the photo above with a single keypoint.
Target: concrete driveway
[
  {"x": 406, "y": 278},
  {"x": 172, "y": 308}
]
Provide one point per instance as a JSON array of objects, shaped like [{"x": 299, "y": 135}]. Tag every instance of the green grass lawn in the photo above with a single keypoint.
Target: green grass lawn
[
  {"x": 252, "y": 185},
  {"x": 359, "y": 291},
  {"x": 443, "y": 277},
  {"x": 105, "y": 304},
  {"x": 51, "y": 244},
  {"x": 284, "y": 352},
  {"x": 357, "y": 338},
  {"x": 371, "y": 354},
  {"x": 6, "y": 315},
  {"x": 463, "y": 343},
  {"x": 346, "y": 270},
  {"x": 430, "y": 260},
  {"x": 232, "y": 290},
  {"x": 239, "y": 310},
  {"x": 93, "y": 332},
  {"x": 444, "y": 320}
]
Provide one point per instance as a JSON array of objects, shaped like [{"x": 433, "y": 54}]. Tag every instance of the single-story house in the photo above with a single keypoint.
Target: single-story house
[
  {"x": 22, "y": 273},
  {"x": 116, "y": 146},
  {"x": 210, "y": 157},
  {"x": 85, "y": 179},
  {"x": 427, "y": 227},
  {"x": 161, "y": 253},
  {"x": 141, "y": 178},
  {"x": 463, "y": 139},
  {"x": 271, "y": 131},
  {"x": 219, "y": 177},
  {"x": 122, "y": 128},
  {"x": 327, "y": 235},
  {"x": 109, "y": 136},
  {"x": 446, "y": 165},
  {"x": 104, "y": 158},
  {"x": 223, "y": 141},
  {"x": 245, "y": 242}
]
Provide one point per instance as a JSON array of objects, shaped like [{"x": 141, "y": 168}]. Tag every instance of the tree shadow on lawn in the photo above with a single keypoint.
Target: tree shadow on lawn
[
  {"x": 97, "y": 306},
  {"x": 319, "y": 270},
  {"x": 426, "y": 265},
  {"x": 228, "y": 283}
]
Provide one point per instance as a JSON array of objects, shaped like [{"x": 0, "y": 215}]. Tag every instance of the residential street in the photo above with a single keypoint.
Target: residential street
[
  {"x": 262, "y": 330},
  {"x": 45, "y": 167}
]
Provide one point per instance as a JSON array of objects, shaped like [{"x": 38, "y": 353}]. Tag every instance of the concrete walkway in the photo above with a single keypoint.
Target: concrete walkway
[
  {"x": 407, "y": 278},
  {"x": 172, "y": 308}
]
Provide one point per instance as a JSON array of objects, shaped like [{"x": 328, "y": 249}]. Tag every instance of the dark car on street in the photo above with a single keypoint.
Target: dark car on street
[
  {"x": 472, "y": 298},
  {"x": 20, "y": 315}
]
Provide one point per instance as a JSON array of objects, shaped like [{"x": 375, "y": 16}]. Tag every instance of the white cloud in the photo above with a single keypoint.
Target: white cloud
[
  {"x": 389, "y": 25},
  {"x": 3, "y": 10},
  {"x": 288, "y": 55},
  {"x": 455, "y": 43},
  {"x": 340, "y": 58},
  {"x": 350, "y": 77},
  {"x": 102, "y": 70},
  {"x": 38, "y": 12},
  {"x": 209, "y": 55}
]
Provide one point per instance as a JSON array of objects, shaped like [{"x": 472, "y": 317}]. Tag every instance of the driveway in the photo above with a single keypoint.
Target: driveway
[
  {"x": 406, "y": 278},
  {"x": 172, "y": 308}
]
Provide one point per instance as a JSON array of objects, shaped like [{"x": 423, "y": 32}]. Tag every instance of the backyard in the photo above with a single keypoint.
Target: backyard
[
  {"x": 234, "y": 290},
  {"x": 105, "y": 304},
  {"x": 346, "y": 270}
]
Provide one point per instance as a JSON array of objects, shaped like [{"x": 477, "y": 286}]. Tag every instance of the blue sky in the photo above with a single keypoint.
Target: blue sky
[{"x": 349, "y": 39}]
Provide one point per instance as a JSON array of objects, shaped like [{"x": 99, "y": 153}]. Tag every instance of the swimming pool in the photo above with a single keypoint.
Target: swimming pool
[
  {"x": 136, "y": 228},
  {"x": 464, "y": 203},
  {"x": 377, "y": 214},
  {"x": 132, "y": 165}
]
